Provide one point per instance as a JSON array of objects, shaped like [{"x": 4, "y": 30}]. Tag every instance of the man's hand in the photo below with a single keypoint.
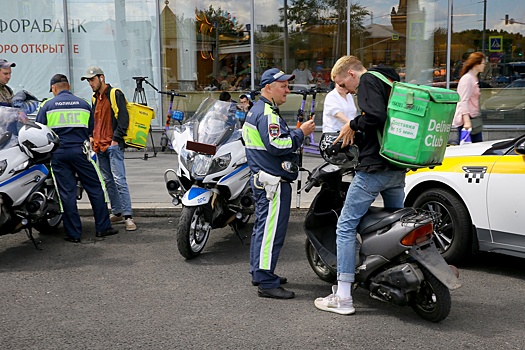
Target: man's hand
[
  {"x": 114, "y": 143},
  {"x": 308, "y": 127},
  {"x": 347, "y": 134}
]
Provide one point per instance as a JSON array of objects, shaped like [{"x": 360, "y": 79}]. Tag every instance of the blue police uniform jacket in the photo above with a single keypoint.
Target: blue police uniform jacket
[
  {"x": 269, "y": 141},
  {"x": 68, "y": 116}
]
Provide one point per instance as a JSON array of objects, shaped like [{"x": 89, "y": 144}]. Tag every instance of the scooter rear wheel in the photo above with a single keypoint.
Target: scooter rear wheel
[
  {"x": 432, "y": 301},
  {"x": 192, "y": 232},
  {"x": 320, "y": 269}
]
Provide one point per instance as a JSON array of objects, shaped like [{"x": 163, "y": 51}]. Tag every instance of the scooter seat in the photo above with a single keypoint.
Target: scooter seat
[{"x": 378, "y": 217}]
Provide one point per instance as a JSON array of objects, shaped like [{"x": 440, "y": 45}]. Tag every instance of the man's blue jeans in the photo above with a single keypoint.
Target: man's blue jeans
[
  {"x": 363, "y": 191},
  {"x": 111, "y": 164}
]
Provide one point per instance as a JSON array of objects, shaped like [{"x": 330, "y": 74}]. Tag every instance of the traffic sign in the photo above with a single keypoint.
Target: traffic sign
[
  {"x": 495, "y": 57},
  {"x": 495, "y": 43}
]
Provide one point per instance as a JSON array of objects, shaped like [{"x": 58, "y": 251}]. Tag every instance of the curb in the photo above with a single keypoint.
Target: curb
[{"x": 161, "y": 211}]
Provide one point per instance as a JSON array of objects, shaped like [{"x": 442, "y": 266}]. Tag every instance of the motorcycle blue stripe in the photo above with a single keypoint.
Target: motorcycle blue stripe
[
  {"x": 242, "y": 167},
  {"x": 40, "y": 167}
]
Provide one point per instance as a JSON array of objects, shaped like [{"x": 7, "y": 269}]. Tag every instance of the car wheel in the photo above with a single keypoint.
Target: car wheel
[{"x": 453, "y": 229}]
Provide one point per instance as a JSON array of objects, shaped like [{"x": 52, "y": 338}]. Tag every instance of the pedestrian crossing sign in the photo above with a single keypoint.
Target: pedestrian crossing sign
[{"x": 495, "y": 43}]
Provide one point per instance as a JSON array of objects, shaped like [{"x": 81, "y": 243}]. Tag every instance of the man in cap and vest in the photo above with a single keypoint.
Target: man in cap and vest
[
  {"x": 69, "y": 117},
  {"x": 6, "y": 93},
  {"x": 108, "y": 142},
  {"x": 269, "y": 142}
]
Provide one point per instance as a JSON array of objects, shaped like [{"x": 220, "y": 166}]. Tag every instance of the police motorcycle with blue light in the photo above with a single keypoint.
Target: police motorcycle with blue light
[
  {"x": 212, "y": 178},
  {"x": 28, "y": 196},
  {"x": 396, "y": 258}
]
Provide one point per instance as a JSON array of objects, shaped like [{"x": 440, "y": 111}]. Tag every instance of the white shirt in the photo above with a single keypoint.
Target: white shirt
[
  {"x": 302, "y": 78},
  {"x": 334, "y": 103}
]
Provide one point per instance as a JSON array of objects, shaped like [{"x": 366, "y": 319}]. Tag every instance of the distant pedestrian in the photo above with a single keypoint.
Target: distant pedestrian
[{"x": 468, "y": 113}]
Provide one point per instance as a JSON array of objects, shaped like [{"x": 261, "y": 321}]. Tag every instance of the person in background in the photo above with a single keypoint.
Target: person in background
[
  {"x": 245, "y": 102},
  {"x": 70, "y": 118},
  {"x": 339, "y": 108},
  {"x": 6, "y": 93},
  {"x": 303, "y": 77},
  {"x": 225, "y": 96},
  {"x": 469, "y": 93},
  {"x": 374, "y": 175},
  {"x": 269, "y": 141},
  {"x": 108, "y": 143}
]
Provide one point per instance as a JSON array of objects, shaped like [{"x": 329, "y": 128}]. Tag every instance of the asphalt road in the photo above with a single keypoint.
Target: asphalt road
[{"x": 134, "y": 291}]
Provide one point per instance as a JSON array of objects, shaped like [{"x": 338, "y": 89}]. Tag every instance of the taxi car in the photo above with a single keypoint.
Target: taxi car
[{"x": 479, "y": 190}]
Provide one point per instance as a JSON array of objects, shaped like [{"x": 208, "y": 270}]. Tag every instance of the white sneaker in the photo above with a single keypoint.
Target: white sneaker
[
  {"x": 334, "y": 303},
  {"x": 130, "y": 225},
  {"x": 115, "y": 219}
]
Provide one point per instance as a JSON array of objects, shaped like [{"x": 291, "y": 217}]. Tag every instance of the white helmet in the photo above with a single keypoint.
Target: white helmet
[{"x": 37, "y": 139}]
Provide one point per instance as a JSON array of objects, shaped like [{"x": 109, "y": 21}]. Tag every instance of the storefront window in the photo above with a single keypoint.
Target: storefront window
[{"x": 202, "y": 47}]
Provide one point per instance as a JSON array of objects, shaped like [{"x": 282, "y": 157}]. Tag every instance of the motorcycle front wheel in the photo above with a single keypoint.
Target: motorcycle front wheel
[
  {"x": 320, "y": 269},
  {"x": 192, "y": 232},
  {"x": 432, "y": 300}
]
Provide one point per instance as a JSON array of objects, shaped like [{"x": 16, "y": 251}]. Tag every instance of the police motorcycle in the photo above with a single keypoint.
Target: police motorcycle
[
  {"x": 28, "y": 196},
  {"x": 212, "y": 178},
  {"x": 396, "y": 257}
]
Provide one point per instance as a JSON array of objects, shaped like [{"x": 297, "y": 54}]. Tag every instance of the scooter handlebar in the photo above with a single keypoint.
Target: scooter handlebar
[{"x": 310, "y": 184}]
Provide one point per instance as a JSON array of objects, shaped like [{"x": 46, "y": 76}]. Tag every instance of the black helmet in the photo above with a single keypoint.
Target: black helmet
[{"x": 336, "y": 155}]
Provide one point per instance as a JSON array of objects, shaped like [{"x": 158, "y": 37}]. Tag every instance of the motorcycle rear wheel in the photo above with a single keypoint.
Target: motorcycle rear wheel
[
  {"x": 320, "y": 269},
  {"x": 432, "y": 301},
  {"x": 192, "y": 232}
]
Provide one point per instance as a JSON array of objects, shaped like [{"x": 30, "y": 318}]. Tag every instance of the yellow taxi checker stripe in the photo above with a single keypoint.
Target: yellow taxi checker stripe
[{"x": 513, "y": 164}]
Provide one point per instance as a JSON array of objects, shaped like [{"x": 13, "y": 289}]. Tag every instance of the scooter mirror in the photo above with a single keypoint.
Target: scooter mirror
[{"x": 290, "y": 167}]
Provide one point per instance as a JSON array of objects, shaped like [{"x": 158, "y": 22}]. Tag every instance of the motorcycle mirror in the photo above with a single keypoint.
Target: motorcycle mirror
[{"x": 290, "y": 167}]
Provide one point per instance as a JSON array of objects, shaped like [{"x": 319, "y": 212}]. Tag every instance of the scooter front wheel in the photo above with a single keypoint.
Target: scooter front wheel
[
  {"x": 192, "y": 232},
  {"x": 319, "y": 267},
  {"x": 432, "y": 300}
]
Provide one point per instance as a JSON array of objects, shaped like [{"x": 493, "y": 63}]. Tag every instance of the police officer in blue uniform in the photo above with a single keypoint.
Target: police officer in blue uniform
[
  {"x": 69, "y": 117},
  {"x": 269, "y": 141}
]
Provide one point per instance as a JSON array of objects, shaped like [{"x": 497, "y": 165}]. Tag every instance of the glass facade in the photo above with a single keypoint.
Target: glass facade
[{"x": 202, "y": 47}]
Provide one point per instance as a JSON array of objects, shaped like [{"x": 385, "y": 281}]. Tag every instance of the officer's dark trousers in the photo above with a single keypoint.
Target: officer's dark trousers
[
  {"x": 67, "y": 162},
  {"x": 268, "y": 235}
]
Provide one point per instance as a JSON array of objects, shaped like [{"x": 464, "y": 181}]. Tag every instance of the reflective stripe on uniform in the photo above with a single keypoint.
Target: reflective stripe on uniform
[
  {"x": 68, "y": 118},
  {"x": 270, "y": 228},
  {"x": 278, "y": 141},
  {"x": 252, "y": 138}
]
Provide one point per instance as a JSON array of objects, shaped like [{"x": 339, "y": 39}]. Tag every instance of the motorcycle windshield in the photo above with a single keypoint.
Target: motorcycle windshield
[
  {"x": 214, "y": 123},
  {"x": 8, "y": 126}
]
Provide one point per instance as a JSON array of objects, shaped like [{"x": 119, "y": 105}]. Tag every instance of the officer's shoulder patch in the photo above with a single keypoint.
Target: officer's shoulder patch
[{"x": 274, "y": 130}]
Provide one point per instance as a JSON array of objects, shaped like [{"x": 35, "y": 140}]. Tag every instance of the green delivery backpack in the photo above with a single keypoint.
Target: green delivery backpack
[{"x": 419, "y": 120}]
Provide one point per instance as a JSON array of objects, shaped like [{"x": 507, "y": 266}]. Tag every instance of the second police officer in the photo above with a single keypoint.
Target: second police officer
[{"x": 69, "y": 117}]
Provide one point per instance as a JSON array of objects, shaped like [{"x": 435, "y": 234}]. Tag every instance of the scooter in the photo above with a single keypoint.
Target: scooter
[
  {"x": 396, "y": 258},
  {"x": 28, "y": 196},
  {"x": 212, "y": 178}
]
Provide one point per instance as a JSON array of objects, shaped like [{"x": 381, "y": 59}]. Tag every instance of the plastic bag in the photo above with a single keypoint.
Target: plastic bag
[{"x": 464, "y": 137}]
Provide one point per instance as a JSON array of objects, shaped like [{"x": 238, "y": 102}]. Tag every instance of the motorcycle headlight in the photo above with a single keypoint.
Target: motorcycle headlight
[
  {"x": 201, "y": 166},
  {"x": 187, "y": 157},
  {"x": 220, "y": 163}
]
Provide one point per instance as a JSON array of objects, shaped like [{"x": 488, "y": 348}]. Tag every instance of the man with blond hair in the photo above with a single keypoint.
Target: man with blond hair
[{"x": 374, "y": 174}]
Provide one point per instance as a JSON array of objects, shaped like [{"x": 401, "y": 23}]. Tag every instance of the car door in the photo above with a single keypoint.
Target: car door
[{"x": 506, "y": 201}]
